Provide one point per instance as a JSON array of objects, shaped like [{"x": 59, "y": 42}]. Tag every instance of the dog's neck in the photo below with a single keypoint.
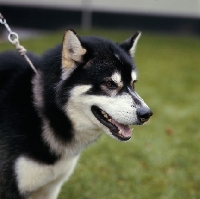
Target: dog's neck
[{"x": 71, "y": 144}]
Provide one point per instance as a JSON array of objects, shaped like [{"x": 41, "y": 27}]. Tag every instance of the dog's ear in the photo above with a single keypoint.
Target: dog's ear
[
  {"x": 72, "y": 51},
  {"x": 130, "y": 44}
]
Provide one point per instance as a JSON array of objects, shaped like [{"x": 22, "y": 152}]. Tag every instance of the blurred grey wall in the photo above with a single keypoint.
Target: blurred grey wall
[
  {"x": 189, "y": 8},
  {"x": 181, "y": 16}
]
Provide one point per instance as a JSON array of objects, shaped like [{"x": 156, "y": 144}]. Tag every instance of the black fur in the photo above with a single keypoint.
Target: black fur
[{"x": 20, "y": 122}]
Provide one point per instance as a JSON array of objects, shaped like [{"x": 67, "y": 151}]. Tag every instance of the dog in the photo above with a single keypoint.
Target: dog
[{"x": 83, "y": 87}]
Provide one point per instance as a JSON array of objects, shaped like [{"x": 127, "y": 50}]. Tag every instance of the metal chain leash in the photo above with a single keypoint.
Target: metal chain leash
[{"x": 14, "y": 39}]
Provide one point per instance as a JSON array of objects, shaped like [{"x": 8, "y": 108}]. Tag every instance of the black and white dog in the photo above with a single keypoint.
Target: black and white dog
[{"x": 83, "y": 86}]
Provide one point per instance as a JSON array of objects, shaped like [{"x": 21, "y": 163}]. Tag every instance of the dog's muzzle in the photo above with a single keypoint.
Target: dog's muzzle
[{"x": 144, "y": 114}]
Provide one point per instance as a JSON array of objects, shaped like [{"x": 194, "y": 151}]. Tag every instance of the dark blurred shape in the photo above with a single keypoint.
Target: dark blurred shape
[{"x": 54, "y": 18}]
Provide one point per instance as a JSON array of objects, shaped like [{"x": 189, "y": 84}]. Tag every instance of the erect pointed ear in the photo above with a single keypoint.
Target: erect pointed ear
[
  {"x": 72, "y": 51},
  {"x": 130, "y": 44}
]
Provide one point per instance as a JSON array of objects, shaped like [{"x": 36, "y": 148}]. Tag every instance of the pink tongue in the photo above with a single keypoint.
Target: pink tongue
[{"x": 125, "y": 129}]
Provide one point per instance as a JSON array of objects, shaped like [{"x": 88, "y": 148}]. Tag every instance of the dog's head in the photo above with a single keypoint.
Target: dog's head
[{"x": 99, "y": 78}]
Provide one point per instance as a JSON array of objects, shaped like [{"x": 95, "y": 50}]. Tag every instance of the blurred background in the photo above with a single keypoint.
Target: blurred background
[
  {"x": 162, "y": 160},
  {"x": 180, "y": 16}
]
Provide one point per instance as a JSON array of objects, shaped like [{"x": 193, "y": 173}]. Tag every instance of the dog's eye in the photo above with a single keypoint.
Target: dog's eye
[{"x": 110, "y": 85}]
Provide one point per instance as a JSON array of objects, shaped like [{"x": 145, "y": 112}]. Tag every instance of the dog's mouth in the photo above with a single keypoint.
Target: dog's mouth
[{"x": 120, "y": 131}]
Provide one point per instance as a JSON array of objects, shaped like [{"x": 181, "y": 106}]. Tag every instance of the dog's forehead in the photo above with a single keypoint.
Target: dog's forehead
[
  {"x": 108, "y": 59},
  {"x": 117, "y": 76},
  {"x": 126, "y": 67},
  {"x": 118, "y": 68}
]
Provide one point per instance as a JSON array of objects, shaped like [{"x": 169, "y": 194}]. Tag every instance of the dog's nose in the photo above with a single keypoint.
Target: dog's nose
[{"x": 144, "y": 114}]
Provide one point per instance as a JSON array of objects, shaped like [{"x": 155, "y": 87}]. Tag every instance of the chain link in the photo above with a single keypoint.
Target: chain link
[{"x": 14, "y": 39}]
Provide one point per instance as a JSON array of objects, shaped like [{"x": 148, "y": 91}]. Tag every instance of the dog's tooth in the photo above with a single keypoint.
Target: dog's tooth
[
  {"x": 102, "y": 112},
  {"x": 110, "y": 120},
  {"x": 105, "y": 115},
  {"x": 120, "y": 132}
]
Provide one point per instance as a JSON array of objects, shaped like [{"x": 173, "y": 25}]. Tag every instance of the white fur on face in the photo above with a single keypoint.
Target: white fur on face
[
  {"x": 79, "y": 111},
  {"x": 120, "y": 108}
]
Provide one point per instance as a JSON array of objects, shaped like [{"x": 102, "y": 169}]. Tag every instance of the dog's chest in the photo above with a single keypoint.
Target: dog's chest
[{"x": 32, "y": 175}]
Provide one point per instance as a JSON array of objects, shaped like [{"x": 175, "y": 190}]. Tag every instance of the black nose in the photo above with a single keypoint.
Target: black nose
[{"x": 144, "y": 114}]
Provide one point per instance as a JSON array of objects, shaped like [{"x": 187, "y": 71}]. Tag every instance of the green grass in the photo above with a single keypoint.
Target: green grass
[{"x": 162, "y": 160}]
